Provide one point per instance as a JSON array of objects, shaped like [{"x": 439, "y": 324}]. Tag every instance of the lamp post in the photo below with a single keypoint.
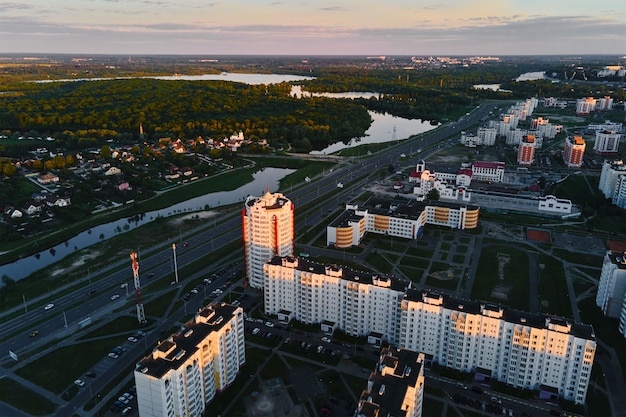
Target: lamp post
[
  {"x": 24, "y": 299},
  {"x": 175, "y": 266}
]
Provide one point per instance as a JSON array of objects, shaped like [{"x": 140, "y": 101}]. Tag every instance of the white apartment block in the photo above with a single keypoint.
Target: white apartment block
[
  {"x": 612, "y": 284},
  {"x": 612, "y": 171},
  {"x": 359, "y": 303},
  {"x": 396, "y": 387},
  {"x": 485, "y": 136},
  {"x": 184, "y": 372},
  {"x": 524, "y": 350},
  {"x": 619, "y": 196},
  {"x": 607, "y": 141},
  {"x": 404, "y": 219},
  {"x": 585, "y": 105},
  {"x": 268, "y": 230}
]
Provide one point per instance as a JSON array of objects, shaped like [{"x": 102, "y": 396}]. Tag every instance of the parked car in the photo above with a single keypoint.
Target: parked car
[
  {"x": 34, "y": 333},
  {"x": 79, "y": 383},
  {"x": 132, "y": 339},
  {"x": 496, "y": 400}
]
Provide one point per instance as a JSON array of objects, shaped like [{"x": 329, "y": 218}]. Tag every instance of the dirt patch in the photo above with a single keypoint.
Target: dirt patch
[
  {"x": 196, "y": 215},
  {"x": 80, "y": 261}
]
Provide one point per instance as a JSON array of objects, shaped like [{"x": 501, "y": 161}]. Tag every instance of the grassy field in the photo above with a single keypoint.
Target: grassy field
[
  {"x": 488, "y": 285},
  {"x": 56, "y": 370},
  {"x": 552, "y": 287},
  {"x": 22, "y": 398}
]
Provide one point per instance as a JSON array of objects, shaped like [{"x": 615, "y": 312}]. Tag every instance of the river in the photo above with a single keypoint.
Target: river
[{"x": 268, "y": 177}]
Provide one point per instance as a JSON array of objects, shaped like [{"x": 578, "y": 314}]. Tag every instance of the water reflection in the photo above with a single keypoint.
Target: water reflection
[{"x": 268, "y": 177}]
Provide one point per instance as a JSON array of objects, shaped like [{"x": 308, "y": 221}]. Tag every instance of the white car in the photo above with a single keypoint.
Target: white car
[
  {"x": 132, "y": 339},
  {"x": 79, "y": 383},
  {"x": 115, "y": 297},
  {"x": 256, "y": 331},
  {"x": 48, "y": 306},
  {"x": 326, "y": 339},
  {"x": 269, "y": 324}
]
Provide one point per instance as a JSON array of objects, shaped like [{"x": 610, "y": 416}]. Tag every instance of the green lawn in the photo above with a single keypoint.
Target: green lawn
[
  {"x": 56, "y": 370},
  {"x": 124, "y": 324},
  {"x": 22, "y": 398},
  {"x": 379, "y": 262},
  {"x": 552, "y": 287},
  {"x": 415, "y": 262},
  {"x": 514, "y": 286}
]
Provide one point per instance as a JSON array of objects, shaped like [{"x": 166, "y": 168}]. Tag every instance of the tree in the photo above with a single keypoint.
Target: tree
[
  {"x": 433, "y": 194},
  {"x": 105, "y": 151}
]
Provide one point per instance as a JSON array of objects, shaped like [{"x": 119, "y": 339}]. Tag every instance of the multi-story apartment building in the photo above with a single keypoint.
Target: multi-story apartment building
[
  {"x": 585, "y": 105},
  {"x": 405, "y": 219},
  {"x": 268, "y": 230},
  {"x": 526, "y": 150},
  {"x": 184, "y": 372},
  {"x": 396, "y": 387},
  {"x": 574, "y": 151},
  {"x": 356, "y": 302},
  {"x": 524, "y": 350},
  {"x": 530, "y": 351},
  {"x": 619, "y": 195},
  {"x": 611, "y": 173},
  {"x": 607, "y": 141},
  {"x": 612, "y": 284}
]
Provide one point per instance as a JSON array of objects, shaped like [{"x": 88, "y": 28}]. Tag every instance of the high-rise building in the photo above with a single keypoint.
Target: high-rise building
[
  {"x": 574, "y": 151},
  {"x": 524, "y": 350},
  {"x": 612, "y": 284},
  {"x": 396, "y": 387},
  {"x": 184, "y": 372},
  {"x": 268, "y": 230},
  {"x": 610, "y": 175},
  {"x": 607, "y": 141},
  {"x": 526, "y": 150},
  {"x": 585, "y": 105}
]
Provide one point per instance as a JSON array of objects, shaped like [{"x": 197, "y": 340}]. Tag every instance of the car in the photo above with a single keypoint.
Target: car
[
  {"x": 117, "y": 405},
  {"x": 132, "y": 339},
  {"x": 115, "y": 297},
  {"x": 91, "y": 292},
  {"x": 126, "y": 410},
  {"x": 141, "y": 334},
  {"x": 461, "y": 385},
  {"x": 495, "y": 400},
  {"x": 48, "y": 306},
  {"x": 124, "y": 285},
  {"x": 34, "y": 333},
  {"x": 256, "y": 331},
  {"x": 269, "y": 324},
  {"x": 79, "y": 383},
  {"x": 123, "y": 400},
  {"x": 113, "y": 355},
  {"x": 151, "y": 274},
  {"x": 477, "y": 390},
  {"x": 326, "y": 339},
  {"x": 129, "y": 396},
  {"x": 186, "y": 244}
]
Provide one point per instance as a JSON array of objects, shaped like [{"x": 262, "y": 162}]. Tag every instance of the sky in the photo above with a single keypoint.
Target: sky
[{"x": 314, "y": 27}]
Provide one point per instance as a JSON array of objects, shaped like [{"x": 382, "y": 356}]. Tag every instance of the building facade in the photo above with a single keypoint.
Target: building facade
[
  {"x": 396, "y": 387},
  {"x": 574, "y": 151},
  {"x": 526, "y": 150},
  {"x": 524, "y": 350},
  {"x": 267, "y": 224},
  {"x": 612, "y": 284},
  {"x": 488, "y": 171},
  {"x": 610, "y": 177},
  {"x": 607, "y": 141},
  {"x": 184, "y": 372},
  {"x": 404, "y": 219}
]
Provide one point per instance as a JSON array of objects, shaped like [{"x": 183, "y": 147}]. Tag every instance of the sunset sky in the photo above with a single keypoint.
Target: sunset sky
[{"x": 310, "y": 27}]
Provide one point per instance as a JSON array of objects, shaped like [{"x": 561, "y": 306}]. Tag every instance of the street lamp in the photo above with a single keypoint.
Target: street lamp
[{"x": 175, "y": 266}]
